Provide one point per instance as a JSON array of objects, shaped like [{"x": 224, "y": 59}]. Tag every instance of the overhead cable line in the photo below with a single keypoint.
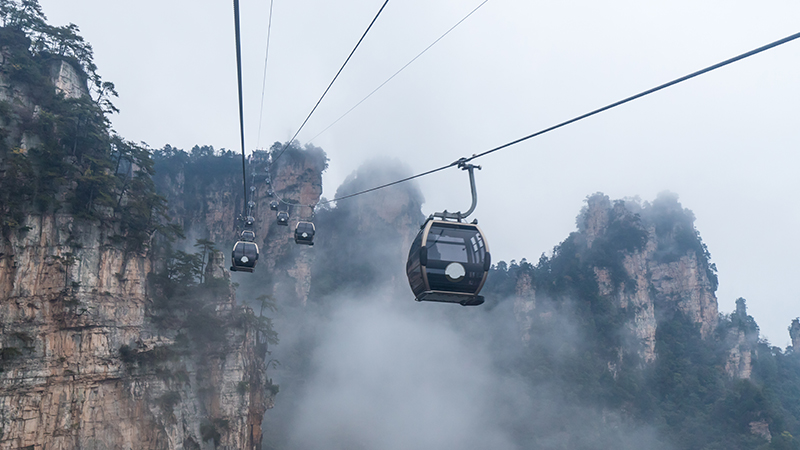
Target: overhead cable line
[
  {"x": 239, "y": 76},
  {"x": 285, "y": 146},
  {"x": 462, "y": 161},
  {"x": 264, "y": 80},
  {"x": 398, "y": 72}
]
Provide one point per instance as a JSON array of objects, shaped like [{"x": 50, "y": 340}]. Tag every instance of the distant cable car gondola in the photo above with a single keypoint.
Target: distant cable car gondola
[
  {"x": 273, "y": 205},
  {"x": 304, "y": 233},
  {"x": 449, "y": 259},
  {"x": 283, "y": 218},
  {"x": 270, "y": 193}
]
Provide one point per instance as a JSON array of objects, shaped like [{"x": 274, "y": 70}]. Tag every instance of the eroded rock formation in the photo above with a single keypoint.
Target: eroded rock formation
[
  {"x": 83, "y": 366},
  {"x": 207, "y": 201},
  {"x": 648, "y": 260},
  {"x": 85, "y": 361}
]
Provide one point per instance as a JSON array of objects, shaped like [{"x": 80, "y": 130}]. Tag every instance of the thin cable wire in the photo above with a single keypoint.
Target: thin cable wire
[
  {"x": 264, "y": 80},
  {"x": 332, "y": 81},
  {"x": 398, "y": 72},
  {"x": 241, "y": 107},
  {"x": 581, "y": 117}
]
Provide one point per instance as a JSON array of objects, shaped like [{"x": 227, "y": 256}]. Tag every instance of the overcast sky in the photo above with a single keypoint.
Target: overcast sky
[{"x": 727, "y": 143}]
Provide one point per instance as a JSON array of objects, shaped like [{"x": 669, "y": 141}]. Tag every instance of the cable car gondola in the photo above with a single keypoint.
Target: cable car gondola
[
  {"x": 244, "y": 255},
  {"x": 304, "y": 233},
  {"x": 283, "y": 218},
  {"x": 449, "y": 259},
  {"x": 448, "y": 262},
  {"x": 273, "y": 205}
]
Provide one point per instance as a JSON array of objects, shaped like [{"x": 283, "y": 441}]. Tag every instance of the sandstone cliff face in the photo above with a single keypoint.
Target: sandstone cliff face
[
  {"x": 284, "y": 268},
  {"x": 82, "y": 363},
  {"x": 681, "y": 285},
  {"x": 656, "y": 276},
  {"x": 70, "y": 305},
  {"x": 678, "y": 285},
  {"x": 296, "y": 179},
  {"x": 78, "y": 354}
]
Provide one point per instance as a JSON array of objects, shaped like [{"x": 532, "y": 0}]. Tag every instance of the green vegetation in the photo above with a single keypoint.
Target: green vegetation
[
  {"x": 676, "y": 235},
  {"x": 185, "y": 301},
  {"x": 584, "y": 350},
  {"x": 61, "y": 153},
  {"x": 295, "y": 154},
  {"x": 191, "y": 179},
  {"x": 201, "y": 165}
]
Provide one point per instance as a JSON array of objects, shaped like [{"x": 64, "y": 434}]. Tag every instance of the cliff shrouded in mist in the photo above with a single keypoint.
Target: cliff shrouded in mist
[
  {"x": 613, "y": 341},
  {"x": 205, "y": 196},
  {"x": 635, "y": 288}
]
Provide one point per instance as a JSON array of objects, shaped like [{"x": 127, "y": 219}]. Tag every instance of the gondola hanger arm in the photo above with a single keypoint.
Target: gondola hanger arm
[{"x": 459, "y": 216}]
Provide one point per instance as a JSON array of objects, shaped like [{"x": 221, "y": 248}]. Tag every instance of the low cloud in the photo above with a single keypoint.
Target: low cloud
[
  {"x": 386, "y": 378},
  {"x": 385, "y": 374}
]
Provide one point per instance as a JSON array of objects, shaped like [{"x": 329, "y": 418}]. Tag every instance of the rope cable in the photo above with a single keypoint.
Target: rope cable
[
  {"x": 264, "y": 80},
  {"x": 332, "y": 81},
  {"x": 241, "y": 107},
  {"x": 578, "y": 118},
  {"x": 398, "y": 72},
  {"x": 642, "y": 94}
]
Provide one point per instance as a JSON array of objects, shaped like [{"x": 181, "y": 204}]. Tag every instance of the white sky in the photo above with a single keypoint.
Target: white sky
[{"x": 727, "y": 142}]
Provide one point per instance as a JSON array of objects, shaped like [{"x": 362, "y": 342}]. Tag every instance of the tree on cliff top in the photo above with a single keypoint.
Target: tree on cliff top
[
  {"x": 27, "y": 17},
  {"x": 73, "y": 155}
]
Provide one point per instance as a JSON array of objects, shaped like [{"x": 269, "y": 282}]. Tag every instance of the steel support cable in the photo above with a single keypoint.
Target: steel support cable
[
  {"x": 241, "y": 108},
  {"x": 398, "y": 72},
  {"x": 642, "y": 94},
  {"x": 264, "y": 80},
  {"x": 289, "y": 142},
  {"x": 578, "y": 118},
  {"x": 455, "y": 163}
]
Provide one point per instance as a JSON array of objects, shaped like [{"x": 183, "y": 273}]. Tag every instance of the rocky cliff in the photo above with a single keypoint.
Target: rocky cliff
[
  {"x": 84, "y": 366},
  {"x": 205, "y": 195},
  {"x": 97, "y": 349},
  {"x": 646, "y": 260},
  {"x": 623, "y": 317},
  {"x": 662, "y": 274}
]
